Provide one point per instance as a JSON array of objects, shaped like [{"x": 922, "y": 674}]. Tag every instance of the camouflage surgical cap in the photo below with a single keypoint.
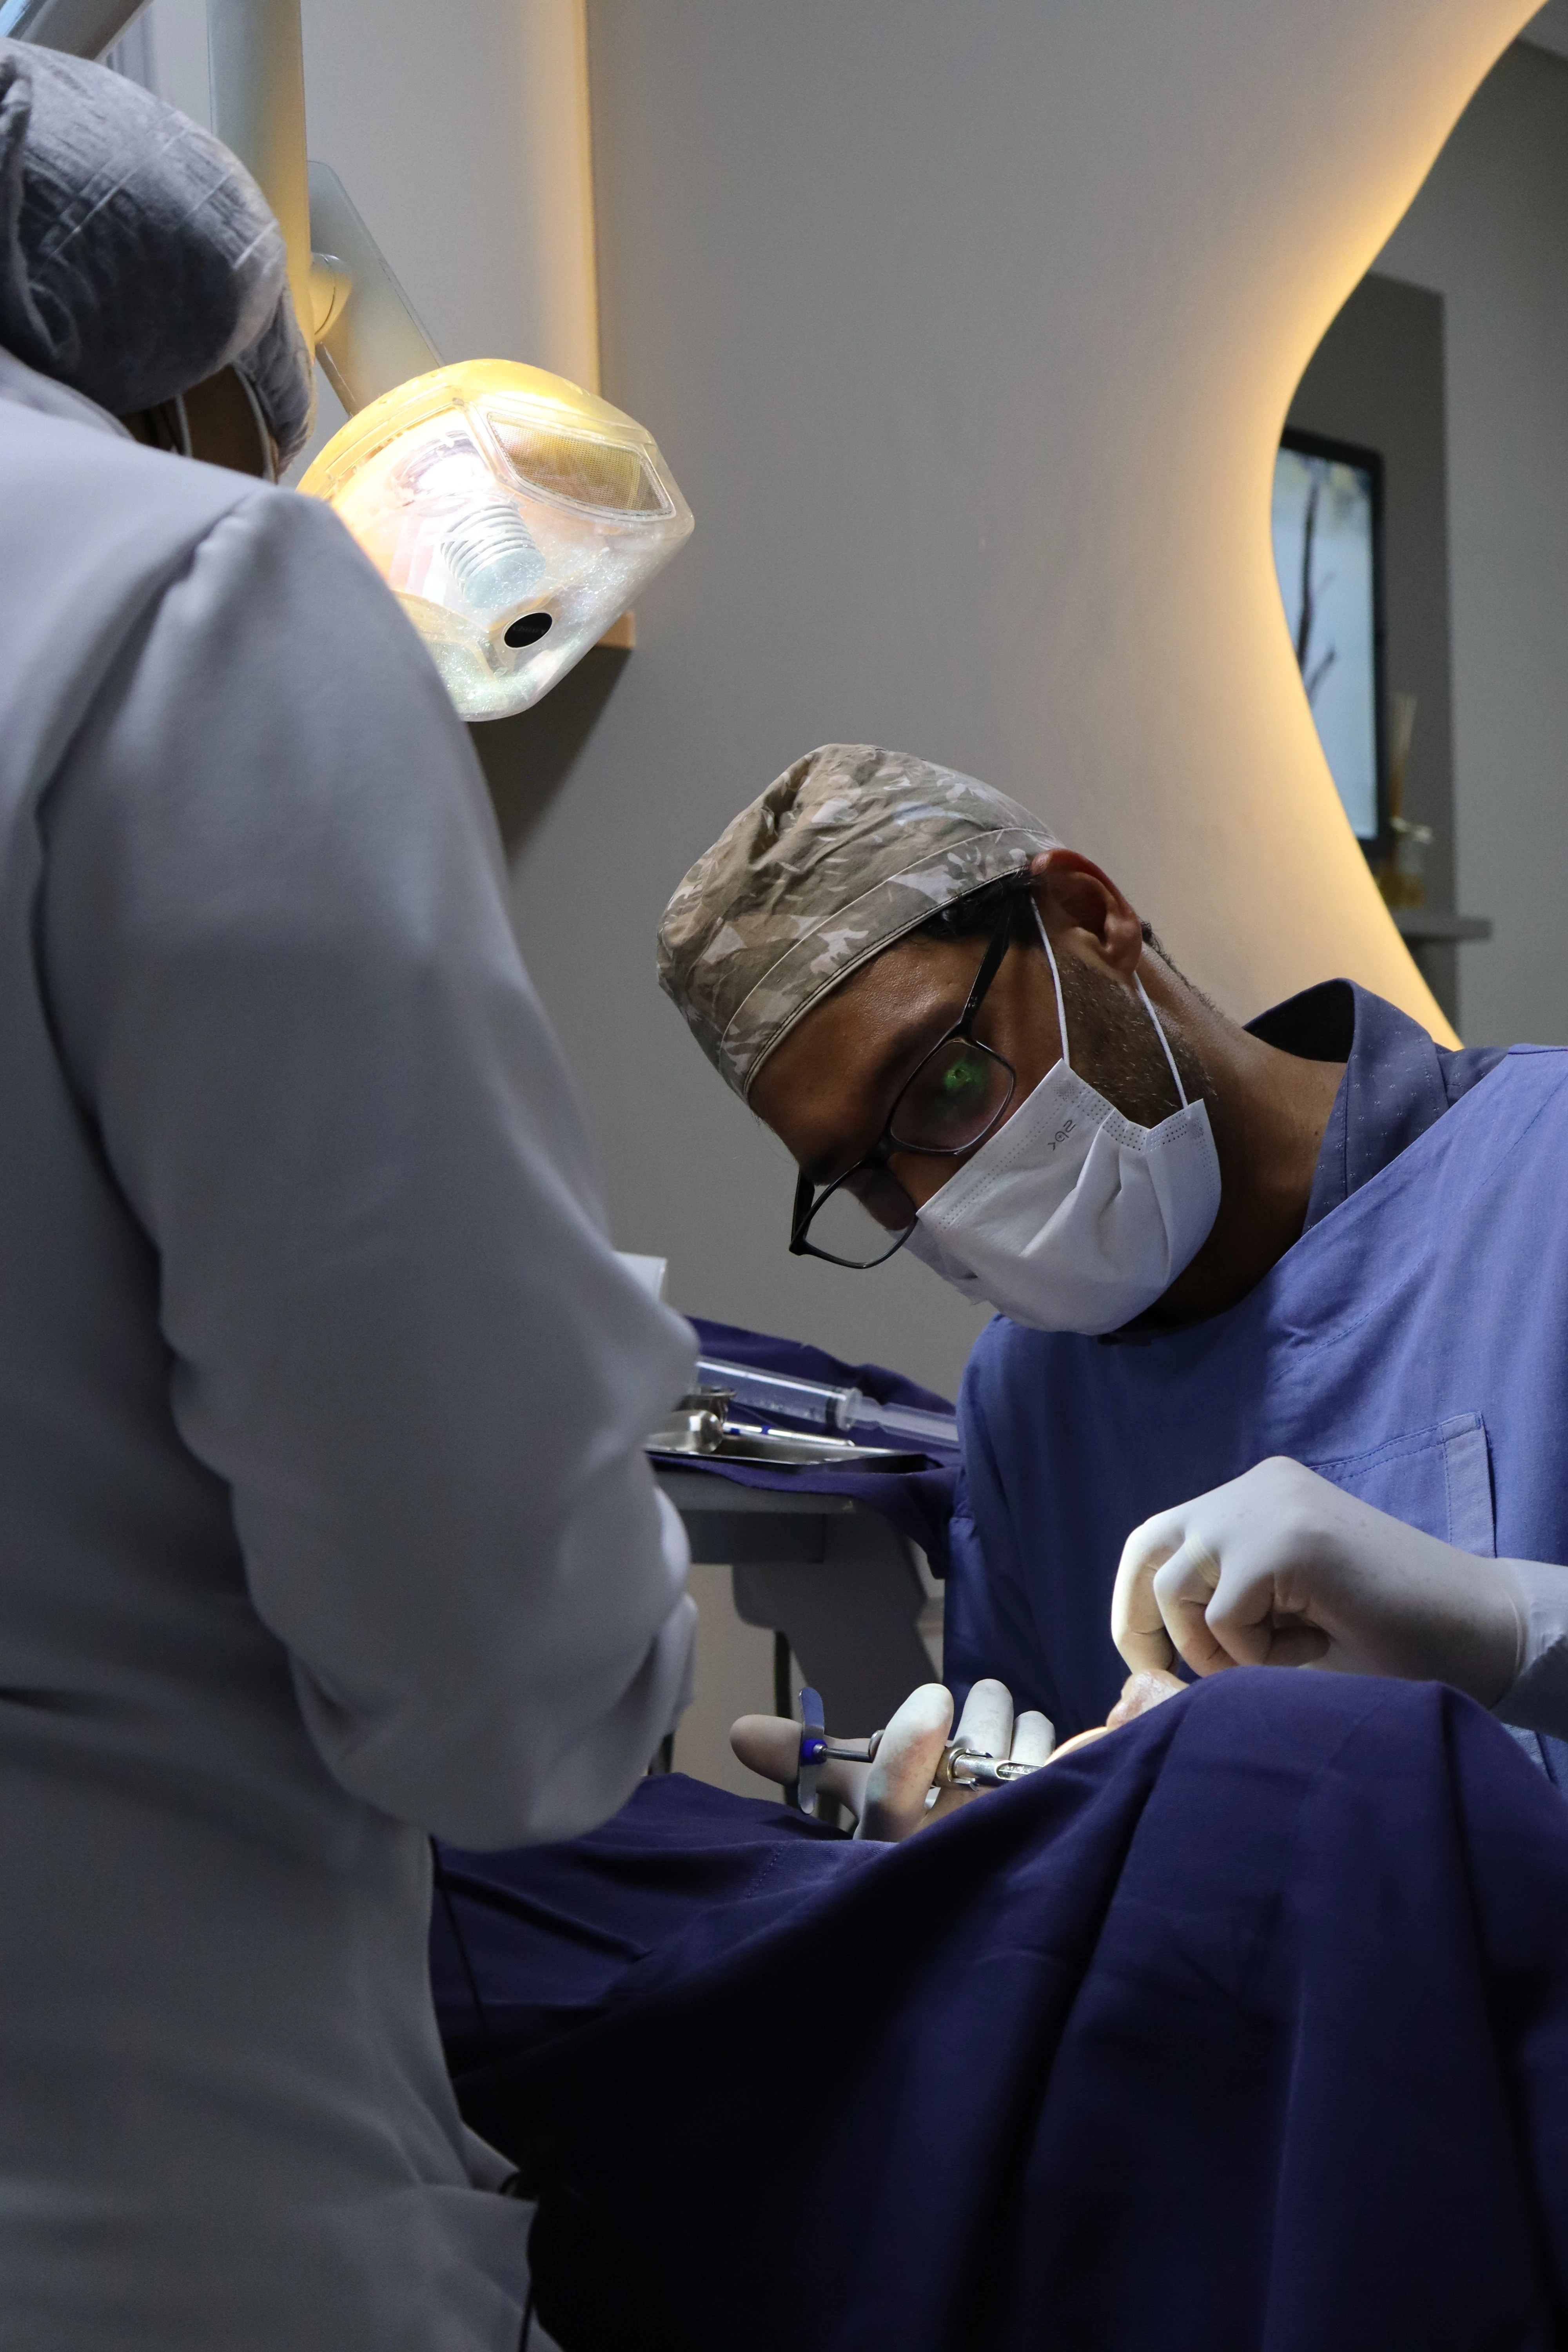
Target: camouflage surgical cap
[{"x": 848, "y": 850}]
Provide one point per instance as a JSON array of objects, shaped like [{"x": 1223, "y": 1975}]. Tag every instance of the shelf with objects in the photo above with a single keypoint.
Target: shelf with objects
[{"x": 1360, "y": 544}]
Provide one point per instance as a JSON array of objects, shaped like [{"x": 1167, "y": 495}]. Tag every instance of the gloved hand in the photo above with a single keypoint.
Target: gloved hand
[
  {"x": 888, "y": 1795},
  {"x": 1281, "y": 1568}
]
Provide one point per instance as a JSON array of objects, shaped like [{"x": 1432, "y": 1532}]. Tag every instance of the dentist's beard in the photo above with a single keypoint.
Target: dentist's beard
[{"x": 1111, "y": 1043}]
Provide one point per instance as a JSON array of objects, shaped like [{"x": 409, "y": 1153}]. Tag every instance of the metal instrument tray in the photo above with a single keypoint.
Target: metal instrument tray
[{"x": 777, "y": 1449}]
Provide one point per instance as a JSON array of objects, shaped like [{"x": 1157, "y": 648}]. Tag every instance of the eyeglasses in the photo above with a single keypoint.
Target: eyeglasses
[{"x": 955, "y": 1099}]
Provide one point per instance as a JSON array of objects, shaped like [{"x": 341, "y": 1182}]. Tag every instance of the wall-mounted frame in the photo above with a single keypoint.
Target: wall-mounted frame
[{"x": 1328, "y": 523}]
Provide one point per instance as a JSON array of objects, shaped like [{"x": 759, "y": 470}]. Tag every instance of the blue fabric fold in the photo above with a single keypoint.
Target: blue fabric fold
[{"x": 1243, "y": 2029}]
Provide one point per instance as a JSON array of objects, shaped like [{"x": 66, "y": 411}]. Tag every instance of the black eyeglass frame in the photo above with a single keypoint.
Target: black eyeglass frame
[{"x": 806, "y": 1207}]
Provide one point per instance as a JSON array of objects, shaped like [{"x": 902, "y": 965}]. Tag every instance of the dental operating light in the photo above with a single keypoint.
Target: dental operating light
[{"x": 513, "y": 515}]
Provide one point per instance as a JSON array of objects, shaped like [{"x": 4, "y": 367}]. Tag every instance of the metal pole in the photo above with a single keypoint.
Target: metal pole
[
  {"x": 257, "y": 62},
  {"x": 368, "y": 337}
]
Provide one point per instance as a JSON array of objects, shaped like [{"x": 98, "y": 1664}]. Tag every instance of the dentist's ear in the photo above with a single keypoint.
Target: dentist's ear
[{"x": 1076, "y": 897}]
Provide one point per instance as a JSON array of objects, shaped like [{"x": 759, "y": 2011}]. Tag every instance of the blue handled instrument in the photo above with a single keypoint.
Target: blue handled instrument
[
  {"x": 817, "y": 1750},
  {"x": 962, "y": 1766}
]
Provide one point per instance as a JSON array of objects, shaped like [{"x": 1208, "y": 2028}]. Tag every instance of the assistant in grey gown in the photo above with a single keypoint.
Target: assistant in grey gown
[{"x": 324, "y": 1521}]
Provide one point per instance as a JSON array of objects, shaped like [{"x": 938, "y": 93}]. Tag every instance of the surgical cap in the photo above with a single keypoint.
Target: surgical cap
[
  {"x": 848, "y": 850},
  {"x": 137, "y": 256}
]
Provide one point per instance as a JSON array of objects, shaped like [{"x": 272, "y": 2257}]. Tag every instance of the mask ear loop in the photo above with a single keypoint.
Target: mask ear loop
[
  {"x": 1165, "y": 1041},
  {"x": 1056, "y": 980},
  {"x": 1061, "y": 1010}
]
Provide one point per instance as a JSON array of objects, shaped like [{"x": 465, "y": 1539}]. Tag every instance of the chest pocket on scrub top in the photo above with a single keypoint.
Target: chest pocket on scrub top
[{"x": 1438, "y": 1479}]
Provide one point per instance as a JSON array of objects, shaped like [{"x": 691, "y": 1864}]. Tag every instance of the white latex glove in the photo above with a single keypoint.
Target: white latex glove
[
  {"x": 888, "y": 1796},
  {"x": 1281, "y": 1568}
]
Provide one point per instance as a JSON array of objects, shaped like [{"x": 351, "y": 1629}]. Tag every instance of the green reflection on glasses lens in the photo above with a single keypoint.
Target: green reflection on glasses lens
[
  {"x": 947, "y": 1099},
  {"x": 964, "y": 1081}
]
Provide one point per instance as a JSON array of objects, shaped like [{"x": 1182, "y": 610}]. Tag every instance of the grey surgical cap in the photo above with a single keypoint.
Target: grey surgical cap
[
  {"x": 848, "y": 850},
  {"x": 137, "y": 256}
]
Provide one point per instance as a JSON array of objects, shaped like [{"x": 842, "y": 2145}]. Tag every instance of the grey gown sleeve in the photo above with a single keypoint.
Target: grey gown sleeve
[{"x": 275, "y": 941}]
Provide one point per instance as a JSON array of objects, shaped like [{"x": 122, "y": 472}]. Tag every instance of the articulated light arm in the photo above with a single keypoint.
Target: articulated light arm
[
  {"x": 369, "y": 338},
  {"x": 256, "y": 62},
  {"x": 358, "y": 318}
]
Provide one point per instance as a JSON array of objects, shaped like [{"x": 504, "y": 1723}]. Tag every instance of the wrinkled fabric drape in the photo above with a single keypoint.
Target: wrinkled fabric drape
[{"x": 1245, "y": 2030}]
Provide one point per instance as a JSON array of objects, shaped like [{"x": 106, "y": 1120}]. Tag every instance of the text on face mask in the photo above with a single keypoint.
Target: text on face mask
[{"x": 1063, "y": 1132}]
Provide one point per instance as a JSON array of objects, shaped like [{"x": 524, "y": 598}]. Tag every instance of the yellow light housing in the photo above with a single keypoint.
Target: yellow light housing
[{"x": 514, "y": 516}]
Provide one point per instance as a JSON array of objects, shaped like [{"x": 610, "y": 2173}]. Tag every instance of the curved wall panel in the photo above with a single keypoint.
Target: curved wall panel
[{"x": 969, "y": 334}]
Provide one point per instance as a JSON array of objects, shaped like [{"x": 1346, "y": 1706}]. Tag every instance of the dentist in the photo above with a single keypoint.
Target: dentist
[{"x": 1311, "y": 1270}]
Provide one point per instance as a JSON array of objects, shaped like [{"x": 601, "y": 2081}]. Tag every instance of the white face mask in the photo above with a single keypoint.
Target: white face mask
[{"x": 1071, "y": 1218}]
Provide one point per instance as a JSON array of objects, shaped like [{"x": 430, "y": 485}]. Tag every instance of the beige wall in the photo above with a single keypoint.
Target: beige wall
[{"x": 969, "y": 334}]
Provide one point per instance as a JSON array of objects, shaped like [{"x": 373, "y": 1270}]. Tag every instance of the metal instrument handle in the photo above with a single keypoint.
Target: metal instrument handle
[{"x": 967, "y": 1767}]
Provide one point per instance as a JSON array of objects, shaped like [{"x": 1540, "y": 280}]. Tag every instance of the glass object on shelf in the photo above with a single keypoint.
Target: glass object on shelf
[{"x": 1402, "y": 878}]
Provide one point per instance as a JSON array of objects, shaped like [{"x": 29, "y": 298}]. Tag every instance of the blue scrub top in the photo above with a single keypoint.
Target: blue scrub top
[{"x": 1412, "y": 1347}]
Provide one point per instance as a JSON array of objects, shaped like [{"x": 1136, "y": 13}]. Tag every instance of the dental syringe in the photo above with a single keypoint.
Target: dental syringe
[
  {"x": 843, "y": 1410},
  {"x": 961, "y": 1766}
]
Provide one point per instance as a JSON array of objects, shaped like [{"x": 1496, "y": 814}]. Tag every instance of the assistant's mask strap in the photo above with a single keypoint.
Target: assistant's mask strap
[{"x": 1062, "y": 1009}]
